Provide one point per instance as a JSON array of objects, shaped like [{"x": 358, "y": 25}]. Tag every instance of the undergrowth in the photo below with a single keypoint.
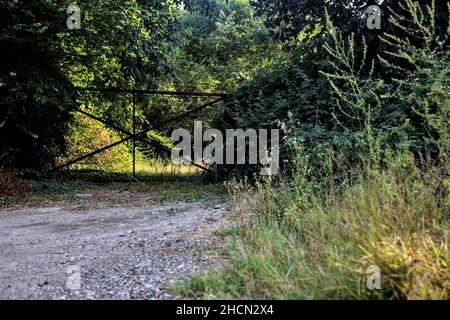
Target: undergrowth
[
  {"x": 325, "y": 231},
  {"x": 296, "y": 243}
]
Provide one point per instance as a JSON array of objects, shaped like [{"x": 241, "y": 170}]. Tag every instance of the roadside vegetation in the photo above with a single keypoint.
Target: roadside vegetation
[{"x": 317, "y": 232}]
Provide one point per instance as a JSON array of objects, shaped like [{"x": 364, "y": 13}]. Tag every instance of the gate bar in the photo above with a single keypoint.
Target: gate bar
[{"x": 155, "y": 92}]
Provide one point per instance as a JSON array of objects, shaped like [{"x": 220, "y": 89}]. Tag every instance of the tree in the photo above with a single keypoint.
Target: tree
[{"x": 119, "y": 44}]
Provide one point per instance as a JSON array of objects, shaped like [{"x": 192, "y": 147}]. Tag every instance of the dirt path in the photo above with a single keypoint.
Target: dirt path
[{"x": 122, "y": 251}]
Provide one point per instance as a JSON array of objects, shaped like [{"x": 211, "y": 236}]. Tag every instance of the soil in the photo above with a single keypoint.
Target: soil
[{"x": 99, "y": 249}]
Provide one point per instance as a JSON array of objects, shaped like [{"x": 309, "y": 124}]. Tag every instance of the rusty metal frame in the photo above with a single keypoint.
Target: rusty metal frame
[{"x": 142, "y": 136}]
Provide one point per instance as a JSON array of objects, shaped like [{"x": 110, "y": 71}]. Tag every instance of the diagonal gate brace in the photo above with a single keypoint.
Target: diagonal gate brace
[{"x": 142, "y": 136}]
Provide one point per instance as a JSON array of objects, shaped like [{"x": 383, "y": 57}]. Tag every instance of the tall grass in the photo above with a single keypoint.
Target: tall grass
[
  {"x": 87, "y": 135},
  {"x": 295, "y": 243}
]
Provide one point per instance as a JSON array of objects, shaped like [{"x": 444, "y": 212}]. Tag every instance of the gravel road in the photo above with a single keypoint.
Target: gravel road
[{"x": 114, "y": 252}]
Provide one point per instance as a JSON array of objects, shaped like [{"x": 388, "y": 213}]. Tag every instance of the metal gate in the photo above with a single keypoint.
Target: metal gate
[{"x": 142, "y": 136}]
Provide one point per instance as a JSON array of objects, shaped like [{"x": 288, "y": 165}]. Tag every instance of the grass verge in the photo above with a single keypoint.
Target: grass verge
[{"x": 296, "y": 242}]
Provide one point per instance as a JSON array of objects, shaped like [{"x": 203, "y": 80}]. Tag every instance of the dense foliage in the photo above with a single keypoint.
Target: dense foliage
[
  {"x": 269, "y": 53},
  {"x": 35, "y": 96},
  {"x": 117, "y": 45}
]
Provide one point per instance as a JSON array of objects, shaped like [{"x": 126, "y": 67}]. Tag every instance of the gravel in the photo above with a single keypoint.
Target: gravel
[{"x": 118, "y": 252}]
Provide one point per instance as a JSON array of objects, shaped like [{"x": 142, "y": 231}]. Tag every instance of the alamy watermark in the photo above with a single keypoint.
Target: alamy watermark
[
  {"x": 374, "y": 17},
  {"x": 373, "y": 278},
  {"x": 238, "y": 147},
  {"x": 74, "y": 19}
]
